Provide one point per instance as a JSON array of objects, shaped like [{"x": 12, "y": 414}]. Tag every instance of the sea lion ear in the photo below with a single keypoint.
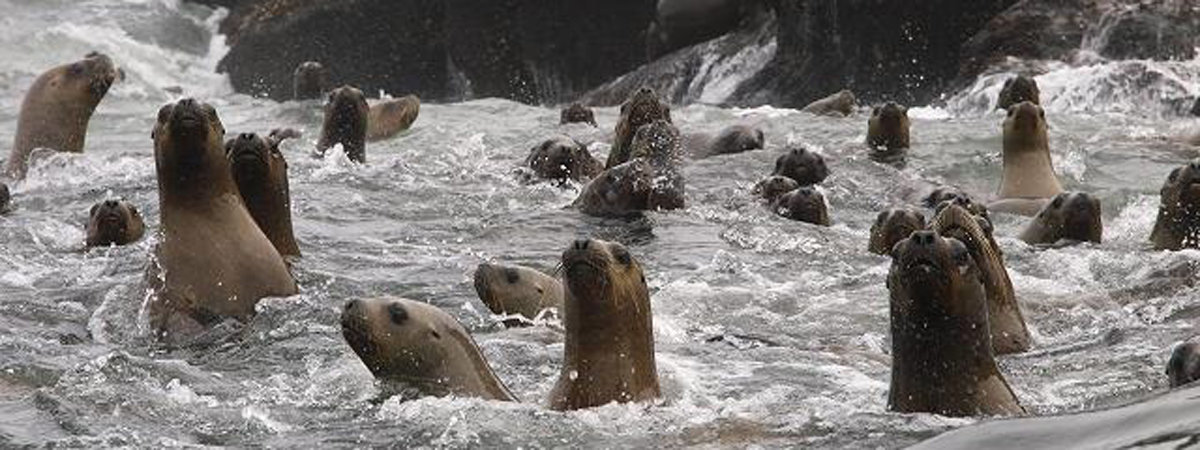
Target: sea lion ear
[
  {"x": 92, "y": 212},
  {"x": 875, "y": 111},
  {"x": 1174, "y": 175}
]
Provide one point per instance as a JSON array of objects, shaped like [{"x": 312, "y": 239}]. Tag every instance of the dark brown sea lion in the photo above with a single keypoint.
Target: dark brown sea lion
[
  {"x": 804, "y": 204},
  {"x": 943, "y": 194},
  {"x": 261, "y": 174},
  {"x": 1071, "y": 217},
  {"x": 733, "y": 140},
  {"x": 389, "y": 117},
  {"x": 642, "y": 108},
  {"x": 416, "y": 345},
  {"x": 1029, "y": 180},
  {"x": 887, "y": 133},
  {"x": 1184, "y": 365},
  {"x": 1178, "y": 224},
  {"x": 58, "y": 107},
  {"x": 577, "y": 113},
  {"x": 310, "y": 81},
  {"x": 346, "y": 117},
  {"x": 659, "y": 142},
  {"x": 609, "y": 350},
  {"x": 773, "y": 187},
  {"x": 942, "y": 357},
  {"x": 804, "y": 166},
  {"x": 1018, "y": 89},
  {"x": 562, "y": 158},
  {"x": 516, "y": 290},
  {"x": 212, "y": 261},
  {"x": 114, "y": 222},
  {"x": 892, "y": 226},
  {"x": 631, "y": 188},
  {"x": 840, "y": 104}
]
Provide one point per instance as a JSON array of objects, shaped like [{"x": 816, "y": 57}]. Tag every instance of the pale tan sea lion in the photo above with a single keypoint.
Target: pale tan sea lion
[
  {"x": 839, "y": 104},
  {"x": 517, "y": 290},
  {"x": 1029, "y": 180},
  {"x": 114, "y": 222},
  {"x": 388, "y": 118}
]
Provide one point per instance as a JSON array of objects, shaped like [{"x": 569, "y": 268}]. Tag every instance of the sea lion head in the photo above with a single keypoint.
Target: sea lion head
[
  {"x": 562, "y": 159},
  {"x": 605, "y": 286},
  {"x": 659, "y": 142},
  {"x": 805, "y": 204},
  {"x": 928, "y": 272},
  {"x": 1018, "y": 89},
  {"x": 1178, "y": 223},
  {"x": 346, "y": 112},
  {"x": 938, "y": 198},
  {"x": 577, "y": 113},
  {"x": 642, "y": 108},
  {"x": 1025, "y": 128},
  {"x": 90, "y": 77},
  {"x": 309, "y": 81},
  {"x": 189, "y": 147},
  {"x": 892, "y": 226},
  {"x": 114, "y": 222},
  {"x": 1184, "y": 365},
  {"x": 804, "y": 166},
  {"x": 738, "y": 139},
  {"x": 772, "y": 187},
  {"x": 1073, "y": 216},
  {"x": 255, "y": 159},
  {"x": 514, "y": 290},
  {"x": 888, "y": 127}
]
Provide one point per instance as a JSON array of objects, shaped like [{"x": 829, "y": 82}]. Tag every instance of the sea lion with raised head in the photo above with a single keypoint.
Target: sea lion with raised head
[
  {"x": 310, "y": 81},
  {"x": 804, "y": 166},
  {"x": 388, "y": 118},
  {"x": 517, "y": 290},
  {"x": 212, "y": 261},
  {"x": 839, "y": 104},
  {"x": 733, "y": 140},
  {"x": 892, "y": 226},
  {"x": 942, "y": 357},
  {"x": 114, "y": 222},
  {"x": 577, "y": 113},
  {"x": 346, "y": 117},
  {"x": 58, "y": 107},
  {"x": 887, "y": 134},
  {"x": 805, "y": 204},
  {"x": 1029, "y": 180},
  {"x": 1184, "y": 365},
  {"x": 1178, "y": 224},
  {"x": 642, "y": 108},
  {"x": 418, "y": 346},
  {"x": 650, "y": 180},
  {"x": 774, "y": 186},
  {"x": 561, "y": 159},
  {"x": 261, "y": 174},
  {"x": 608, "y": 354},
  {"x": 1071, "y": 217},
  {"x": 1018, "y": 89}
]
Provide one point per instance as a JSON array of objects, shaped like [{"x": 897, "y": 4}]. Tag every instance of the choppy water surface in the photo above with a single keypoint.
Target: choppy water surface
[{"x": 803, "y": 309}]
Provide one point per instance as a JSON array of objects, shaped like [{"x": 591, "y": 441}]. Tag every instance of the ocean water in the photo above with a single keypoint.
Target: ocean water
[{"x": 803, "y": 310}]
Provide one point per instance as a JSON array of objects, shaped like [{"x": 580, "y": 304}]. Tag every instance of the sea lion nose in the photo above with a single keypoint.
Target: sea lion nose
[
  {"x": 110, "y": 203},
  {"x": 187, "y": 102},
  {"x": 1194, "y": 165},
  {"x": 581, "y": 244},
  {"x": 246, "y": 136},
  {"x": 923, "y": 238},
  {"x": 806, "y": 191}
]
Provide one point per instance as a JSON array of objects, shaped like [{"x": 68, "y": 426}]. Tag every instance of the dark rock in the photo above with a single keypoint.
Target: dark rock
[
  {"x": 682, "y": 23},
  {"x": 1146, "y": 34}
]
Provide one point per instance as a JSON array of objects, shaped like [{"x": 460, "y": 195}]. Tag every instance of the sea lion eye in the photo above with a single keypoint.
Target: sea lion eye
[
  {"x": 960, "y": 254},
  {"x": 435, "y": 334},
  {"x": 397, "y": 313},
  {"x": 75, "y": 69},
  {"x": 1058, "y": 201},
  {"x": 1174, "y": 175},
  {"x": 512, "y": 276},
  {"x": 164, "y": 113},
  {"x": 622, "y": 255}
]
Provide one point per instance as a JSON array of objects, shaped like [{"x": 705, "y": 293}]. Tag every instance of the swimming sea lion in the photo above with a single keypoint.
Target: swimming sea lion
[
  {"x": 892, "y": 226},
  {"x": 419, "y": 346},
  {"x": 577, "y": 113},
  {"x": 58, "y": 107},
  {"x": 608, "y": 355},
  {"x": 510, "y": 290},
  {"x": 1184, "y": 365},
  {"x": 735, "y": 139},
  {"x": 389, "y": 117},
  {"x": 1018, "y": 89},
  {"x": 114, "y": 222},
  {"x": 659, "y": 142},
  {"x": 887, "y": 133},
  {"x": 642, "y": 108},
  {"x": 631, "y": 188},
  {"x": 562, "y": 158},
  {"x": 261, "y": 174},
  {"x": 804, "y": 204},
  {"x": 774, "y": 186},
  {"x": 1178, "y": 224},
  {"x": 310, "y": 81},
  {"x": 1071, "y": 217},
  {"x": 346, "y": 117},
  {"x": 1029, "y": 181},
  {"x": 806, "y": 167},
  {"x": 943, "y": 194},
  {"x": 942, "y": 360},
  {"x": 840, "y": 104},
  {"x": 1007, "y": 324},
  {"x": 212, "y": 261}
]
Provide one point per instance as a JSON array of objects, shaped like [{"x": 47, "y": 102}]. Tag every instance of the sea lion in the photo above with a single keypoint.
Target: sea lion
[
  {"x": 577, "y": 113},
  {"x": 1184, "y": 365},
  {"x": 389, "y": 117},
  {"x": 58, "y": 107},
  {"x": 1178, "y": 224},
  {"x": 212, "y": 261},
  {"x": 562, "y": 158},
  {"x": 892, "y": 226},
  {"x": 735, "y": 139},
  {"x": 806, "y": 167},
  {"x": 516, "y": 290},
  {"x": 1018, "y": 89},
  {"x": 417, "y": 345},
  {"x": 942, "y": 359},
  {"x": 114, "y": 222},
  {"x": 642, "y": 108},
  {"x": 659, "y": 142},
  {"x": 1007, "y": 324},
  {"x": 804, "y": 204},
  {"x": 773, "y": 187},
  {"x": 608, "y": 355},
  {"x": 840, "y": 104},
  {"x": 261, "y": 174},
  {"x": 630, "y": 188},
  {"x": 887, "y": 134},
  {"x": 346, "y": 116},
  {"x": 310, "y": 81},
  {"x": 943, "y": 194},
  {"x": 1029, "y": 181},
  {"x": 1071, "y": 217}
]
